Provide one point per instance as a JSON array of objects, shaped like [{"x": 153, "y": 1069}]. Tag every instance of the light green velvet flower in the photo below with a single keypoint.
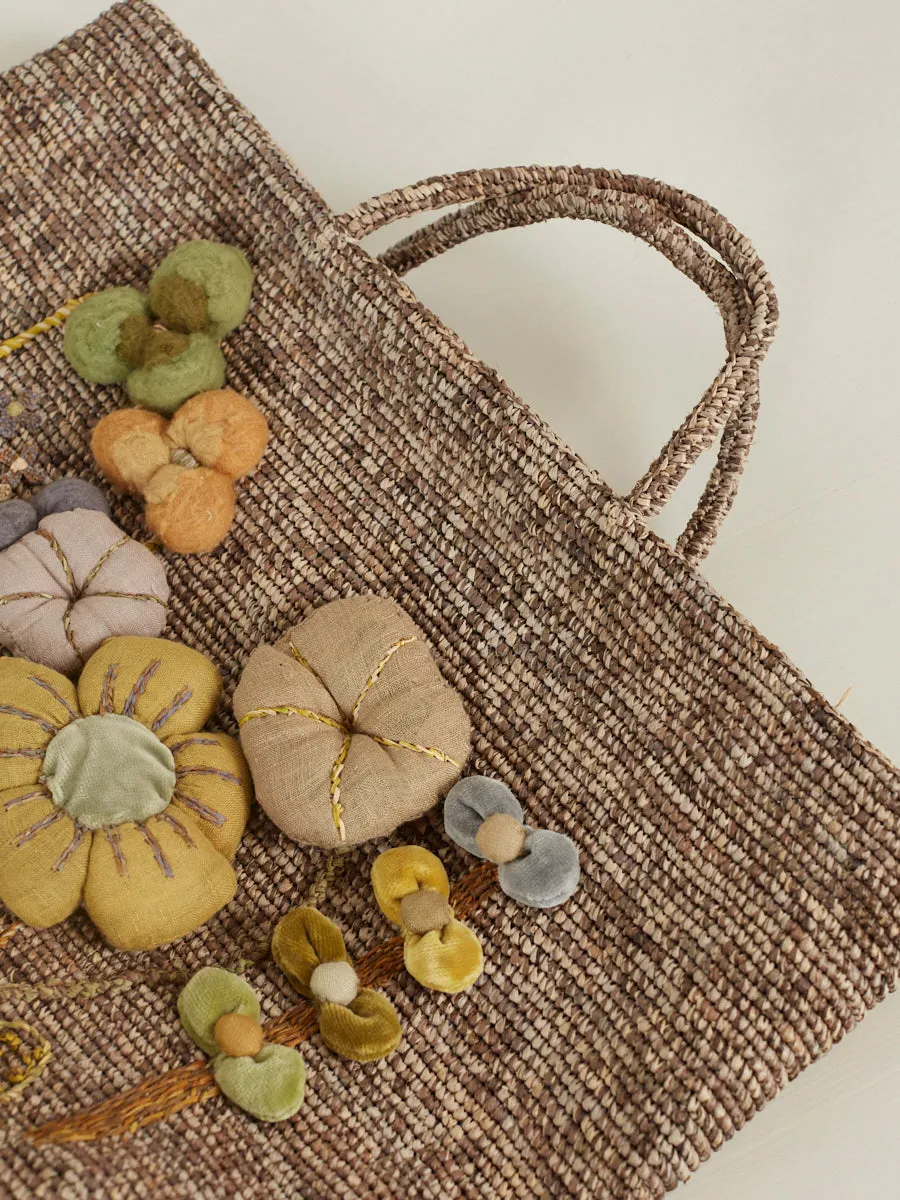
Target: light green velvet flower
[
  {"x": 164, "y": 346},
  {"x": 220, "y": 1012}
]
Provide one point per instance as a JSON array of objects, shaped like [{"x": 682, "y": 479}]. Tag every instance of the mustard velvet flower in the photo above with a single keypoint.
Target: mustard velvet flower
[{"x": 111, "y": 798}]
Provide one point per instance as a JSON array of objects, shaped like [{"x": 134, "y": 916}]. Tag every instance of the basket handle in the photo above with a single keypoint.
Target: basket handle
[{"x": 674, "y": 222}]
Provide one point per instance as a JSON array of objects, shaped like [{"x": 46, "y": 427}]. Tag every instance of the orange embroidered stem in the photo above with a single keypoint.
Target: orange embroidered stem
[
  {"x": 51, "y": 322},
  {"x": 162, "y": 1097},
  {"x": 7, "y": 932},
  {"x": 149, "y": 1102}
]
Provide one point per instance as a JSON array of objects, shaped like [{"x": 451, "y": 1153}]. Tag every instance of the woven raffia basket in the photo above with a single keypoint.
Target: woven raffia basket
[{"x": 739, "y": 840}]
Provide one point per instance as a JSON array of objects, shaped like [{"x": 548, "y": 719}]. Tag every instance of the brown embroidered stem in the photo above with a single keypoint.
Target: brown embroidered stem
[
  {"x": 163, "y": 1096},
  {"x": 70, "y": 632}
]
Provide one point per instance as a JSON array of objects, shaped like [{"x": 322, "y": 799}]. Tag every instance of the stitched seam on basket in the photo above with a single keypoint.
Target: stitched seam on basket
[{"x": 162, "y": 1096}]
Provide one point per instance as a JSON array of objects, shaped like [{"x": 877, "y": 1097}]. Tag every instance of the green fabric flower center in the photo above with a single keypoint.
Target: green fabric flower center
[{"x": 108, "y": 770}]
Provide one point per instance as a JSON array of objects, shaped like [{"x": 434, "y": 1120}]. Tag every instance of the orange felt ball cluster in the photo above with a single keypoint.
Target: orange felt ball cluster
[{"x": 184, "y": 468}]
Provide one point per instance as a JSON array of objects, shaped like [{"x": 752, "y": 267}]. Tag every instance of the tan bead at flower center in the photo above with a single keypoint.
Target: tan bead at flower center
[
  {"x": 238, "y": 1035},
  {"x": 334, "y": 983},
  {"x": 501, "y": 838},
  {"x": 425, "y": 910}
]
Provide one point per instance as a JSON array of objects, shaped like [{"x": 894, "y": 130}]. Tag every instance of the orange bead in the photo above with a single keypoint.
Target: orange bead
[{"x": 238, "y": 1035}]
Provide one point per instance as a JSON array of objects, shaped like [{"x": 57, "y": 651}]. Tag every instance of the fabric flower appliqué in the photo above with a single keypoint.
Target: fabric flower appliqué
[
  {"x": 18, "y": 412},
  {"x": 111, "y": 798},
  {"x": 220, "y": 1012}
]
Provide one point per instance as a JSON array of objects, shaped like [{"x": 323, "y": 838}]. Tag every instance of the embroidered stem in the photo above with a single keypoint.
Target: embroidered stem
[
  {"x": 61, "y": 700},
  {"x": 161, "y": 1097},
  {"x": 55, "y": 319},
  {"x": 291, "y": 710},
  {"x": 21, "y": 1043},
  {"x": 334, "y": 789}
]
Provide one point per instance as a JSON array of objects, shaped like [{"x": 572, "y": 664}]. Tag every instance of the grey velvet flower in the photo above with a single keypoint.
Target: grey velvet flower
[{"x": 536, "y": 867}]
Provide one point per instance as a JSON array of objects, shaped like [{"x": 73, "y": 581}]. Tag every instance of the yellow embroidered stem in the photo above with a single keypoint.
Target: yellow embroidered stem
[
  {"x": 337, "y": 809},
  {"x": 51, "y": 322},
  {"x": 24, "y": 1053},
  {"x": 8, "y": 931}
]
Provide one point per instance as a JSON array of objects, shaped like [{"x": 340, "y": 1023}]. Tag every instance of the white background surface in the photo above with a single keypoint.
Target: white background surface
[{"x": 782, "y": 113}]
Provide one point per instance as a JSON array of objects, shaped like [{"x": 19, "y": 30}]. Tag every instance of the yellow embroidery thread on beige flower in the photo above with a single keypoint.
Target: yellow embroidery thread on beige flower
[
  {"x": 373, "y": 678},
  {"x": 291, "y": 710},
  {"x": 52, "y": 322},
  {"x": 24, "y": 1054}
]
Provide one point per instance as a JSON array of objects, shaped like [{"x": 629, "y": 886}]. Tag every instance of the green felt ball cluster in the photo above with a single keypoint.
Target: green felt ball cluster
[{"x": 164, "y": 345}]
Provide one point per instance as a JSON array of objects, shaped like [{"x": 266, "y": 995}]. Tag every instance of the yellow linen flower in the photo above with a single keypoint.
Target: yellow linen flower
[{"x": 111, "y": 798}]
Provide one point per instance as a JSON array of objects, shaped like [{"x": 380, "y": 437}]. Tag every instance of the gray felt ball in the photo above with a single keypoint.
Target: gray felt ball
[
  {"x": 470, "y": 802},
  {"x": 65, "y": 495},
  {"x": 17, "y": 517},
  {"x": 547, "y": 873}
]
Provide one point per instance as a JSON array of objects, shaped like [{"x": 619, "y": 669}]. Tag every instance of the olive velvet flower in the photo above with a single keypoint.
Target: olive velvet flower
[{"x": 111, "y": 798}]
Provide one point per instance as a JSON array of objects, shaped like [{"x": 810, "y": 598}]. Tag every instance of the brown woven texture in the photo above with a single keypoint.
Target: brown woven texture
[{"x": 741, "y": 888}]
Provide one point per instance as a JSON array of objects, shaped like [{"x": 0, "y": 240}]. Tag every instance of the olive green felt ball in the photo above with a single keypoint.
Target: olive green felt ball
[
  {"x": 93, "y": 332},
  {"x": 198, "y": 271},
  {"x": 165, "y": 385}
]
